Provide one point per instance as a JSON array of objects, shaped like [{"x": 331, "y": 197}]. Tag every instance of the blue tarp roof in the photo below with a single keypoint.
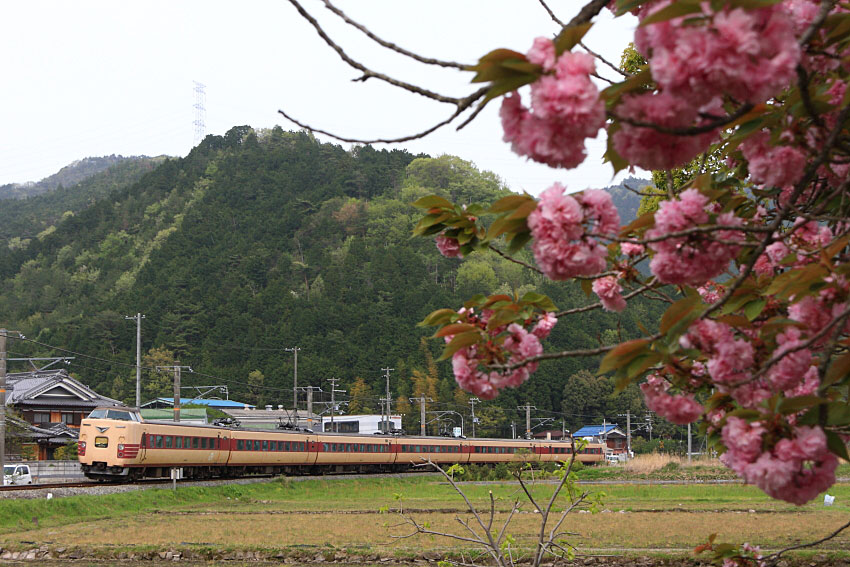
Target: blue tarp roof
[
  {"x": 209, "y": 403},
  {"x": 594, "y": 430}
]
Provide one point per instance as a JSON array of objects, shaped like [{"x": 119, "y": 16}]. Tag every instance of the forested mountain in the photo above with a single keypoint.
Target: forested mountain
[
  {"x": 69, "y": 175},
  {"x": 23, "y": 219},
  {"x": 260, "y": 241}
]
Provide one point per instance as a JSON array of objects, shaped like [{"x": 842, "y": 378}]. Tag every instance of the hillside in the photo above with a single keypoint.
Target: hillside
[
  {"x": 69, "y": 175},
  {"x": 256, "y": 242},
  {"x": 25, "y": 218}
]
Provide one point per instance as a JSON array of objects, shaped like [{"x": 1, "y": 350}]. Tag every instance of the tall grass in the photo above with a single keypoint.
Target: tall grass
[{"x": 652, "y": 462}]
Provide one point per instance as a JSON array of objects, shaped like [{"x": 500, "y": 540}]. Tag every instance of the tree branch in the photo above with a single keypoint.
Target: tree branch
[
  {"x": 687, "y": 131},
  {"x": 392, "y": 46},
  {"x": 368, "y": 73}
]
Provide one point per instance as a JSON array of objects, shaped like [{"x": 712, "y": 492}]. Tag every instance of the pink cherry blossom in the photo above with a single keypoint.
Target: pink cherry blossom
[
  {"x": 544, "y": 325},
  {"x": 558, "y": 226},
  {"x": 647, "y": 147},
  {"x": 448, "y": 247},
  {"x": 631, "y": 249},
  {"x": 695, "y": 258},
  {"x": 610, "y": 293},
  {"x": 680, "y": 410},
  {"x": 772, "y": 166},
  {"x": 750, "y": 55},
  {"x": 565, "y": 109}
]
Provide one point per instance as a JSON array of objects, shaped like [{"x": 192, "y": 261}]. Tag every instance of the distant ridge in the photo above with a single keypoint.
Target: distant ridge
[{"x": 71, "y": 174}]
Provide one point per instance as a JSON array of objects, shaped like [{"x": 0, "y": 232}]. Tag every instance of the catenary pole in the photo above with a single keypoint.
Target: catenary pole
[
  {"x": 294, "y": 350},
  {"x": 138, "y": 318},
  {"x": 387, "y": 375},
  {"x": 472, "y": 402},
  {"x": 3, "y": 405}
]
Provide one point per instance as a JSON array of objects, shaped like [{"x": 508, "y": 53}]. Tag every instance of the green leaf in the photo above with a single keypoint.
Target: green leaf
[
  {"x": 438, "y": 317},
  {"x": 507, "y": 85},
  {"x": 622, "y": 354},
  {"x": 519, "y": 241},
  {"x": 570, "y": 36},
  {"x": 636, "y": 82},
  {"x": 797, "y": 404},
  {"x": 430, "y": 220},
  {"x": 433, "y": 201},
  {"x": 836, "y": 445},
  {"x": 682, "y": 310},
  {"x": 460, "y": 341},
  {"x": 838, "y": 413},
  {"x": 838, "y": 370},
  {"x": 675, "y": 10},
  {"x": 509, "y": 203},
  {"x": 754, "y": 308},
  {"x": 453, "y": 329}
]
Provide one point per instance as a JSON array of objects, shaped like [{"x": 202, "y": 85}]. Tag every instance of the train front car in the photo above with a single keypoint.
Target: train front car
[{"x": 108, "y": 447}]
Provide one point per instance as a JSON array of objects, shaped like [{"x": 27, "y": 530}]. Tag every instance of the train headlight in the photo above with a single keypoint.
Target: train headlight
[{"x": 120, "y": 450}]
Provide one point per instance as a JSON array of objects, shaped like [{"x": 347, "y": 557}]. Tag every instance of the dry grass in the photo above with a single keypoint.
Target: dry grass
[
  {"x": 624, "y": 531},
  {"x": 652, "y": 462}
]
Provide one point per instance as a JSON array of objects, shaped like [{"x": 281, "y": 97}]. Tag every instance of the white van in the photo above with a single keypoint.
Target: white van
[{"x": 16, "y": 474}]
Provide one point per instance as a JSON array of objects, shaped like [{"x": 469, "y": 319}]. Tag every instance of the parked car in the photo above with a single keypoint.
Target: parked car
[{"x": 16, "y": 474}]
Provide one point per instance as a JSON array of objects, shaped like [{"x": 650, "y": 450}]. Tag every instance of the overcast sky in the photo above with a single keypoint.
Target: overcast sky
[{"x": 97, "y": 78}]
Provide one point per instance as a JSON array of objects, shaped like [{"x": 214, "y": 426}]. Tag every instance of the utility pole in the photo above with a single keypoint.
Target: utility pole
[
  {"x": 628, "y": 416},
  {"x": 387, "y": 374},
  {"x": 138, "y": 318},
  {"x": 3, "y": 404},
  {"x": 295, "y": 383},
  {"x": 333, "y": 382},
  {"x": 527, "y": 408},
  {"x": 649, "y": 424},
  {"x": 472, "y": 402},
  {"x": 310, "y": 409},
  {"x": 176, "y": 368},
  {"x": 422, "y": 399},
  {"x": 513, "y": 430}
]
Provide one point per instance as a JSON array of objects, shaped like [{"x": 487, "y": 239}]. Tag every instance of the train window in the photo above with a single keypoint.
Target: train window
[
  {"x": 325, "y": 447},
  {"x": 286, "y": 446},
  {"x": 194, "y": 443},
  {"x": 159, "y": 441},
  {"x": 240, "y": 445},
  {"x": 256, "y": 444},
  {"x": 265, "y": 445},
  {"x": 168, "y": 441},
  {"x": 178, "y": 442}
]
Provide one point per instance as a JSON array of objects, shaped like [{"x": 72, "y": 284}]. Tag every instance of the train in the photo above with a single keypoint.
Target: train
[{"x": 116, "y": 444}]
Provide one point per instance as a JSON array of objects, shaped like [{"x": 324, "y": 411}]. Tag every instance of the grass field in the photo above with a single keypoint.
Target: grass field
[{"x": 362, "y": 515}]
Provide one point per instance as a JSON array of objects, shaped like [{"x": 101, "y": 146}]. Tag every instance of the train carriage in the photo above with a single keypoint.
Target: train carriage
[{"x": 116, "y": 443}]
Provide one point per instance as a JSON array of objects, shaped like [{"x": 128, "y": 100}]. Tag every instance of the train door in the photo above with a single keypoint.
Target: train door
[{"x": 143, "y": 444}]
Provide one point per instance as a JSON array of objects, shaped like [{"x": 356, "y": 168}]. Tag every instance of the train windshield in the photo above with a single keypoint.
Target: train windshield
[{"x": 120, "y": 415}]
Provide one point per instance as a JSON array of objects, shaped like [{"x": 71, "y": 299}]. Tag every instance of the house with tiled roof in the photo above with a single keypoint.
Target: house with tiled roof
[
  {"x": 610, "y": 433},
  {"x": 47, "y": 399}
]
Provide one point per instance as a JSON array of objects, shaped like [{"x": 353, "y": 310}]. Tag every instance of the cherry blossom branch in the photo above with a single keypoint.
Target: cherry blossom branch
[
  {"x": 597, "y": 305},
  {"x": 551, "y": 13},
  {"x": 368, "y": 73},
  {"x": 605, "y": 61},
  {"x": 826, "y": 7},
  {"x": 392, "y": 46},
  {"x": 808, "y": 175},
  {"x": 685, "y": 232},
  {"x": 461, "y": 108},
  {"x": 514, "y": 260},
  {"x": 563, "y": 354},
  {"x": 805, "y": 96},
  {"x": 775, "y": 556},
  {"x": 690, "y": 130},
  {"x": 839, "y": 320}
]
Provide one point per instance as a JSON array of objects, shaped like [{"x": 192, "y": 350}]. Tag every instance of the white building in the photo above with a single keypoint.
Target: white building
[{"x": 362, "y": 424}]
